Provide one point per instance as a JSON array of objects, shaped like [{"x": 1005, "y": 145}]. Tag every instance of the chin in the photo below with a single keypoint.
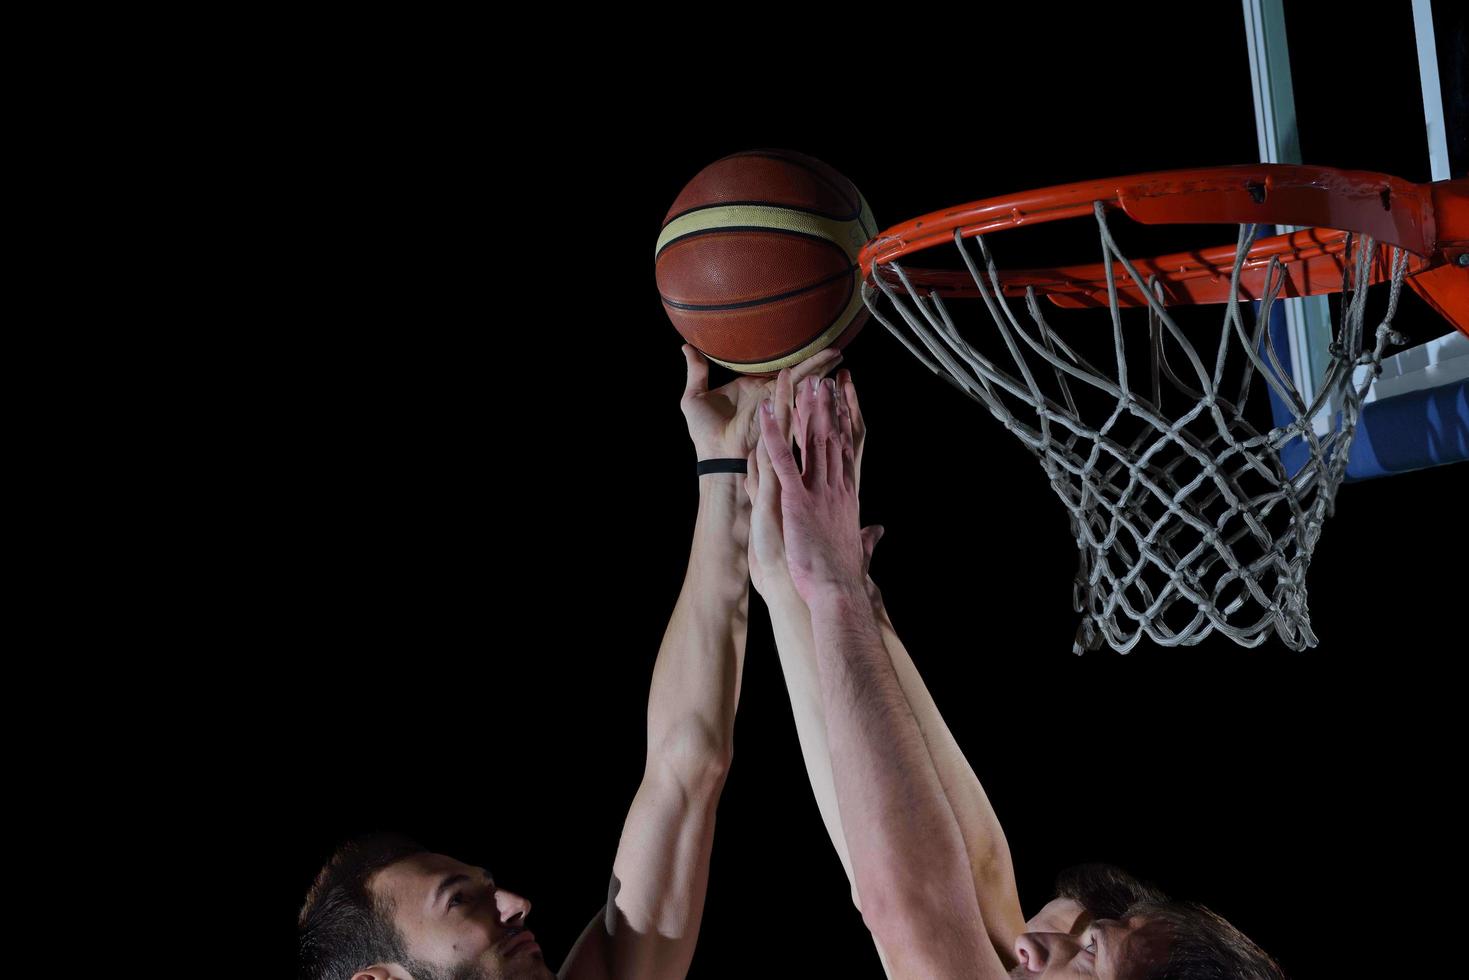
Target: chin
[{"x": 531, "y": 966}]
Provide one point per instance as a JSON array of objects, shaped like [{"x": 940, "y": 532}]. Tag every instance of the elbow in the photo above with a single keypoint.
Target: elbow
[
  {"x": 902, "y": 912},
  {"x": 878, "y": 917},
  {"x": 891, "y": 925},
  {"x": 876, "y": 894},
  {"x": 692, "y": 755},
  {"x": 994, "y": 870}
]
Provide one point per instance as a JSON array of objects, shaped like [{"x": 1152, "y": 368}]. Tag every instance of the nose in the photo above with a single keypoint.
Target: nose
[
  {"x": 1030, "y": 952},
  {"x": 1037, "y": 950},
  {"x": 513, "y": 908}
]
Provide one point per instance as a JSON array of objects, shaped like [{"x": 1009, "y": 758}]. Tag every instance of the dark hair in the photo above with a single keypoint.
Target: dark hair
[
  {"x": 343, "y": 928},
  {"x": 1105, "y": 891},
  {"x": 1201, "y": 944}
]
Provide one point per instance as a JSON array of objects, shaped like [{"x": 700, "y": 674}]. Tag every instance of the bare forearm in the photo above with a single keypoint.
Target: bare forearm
[
  {"x": 696, "y": 680},
  {"x": 898, "y": 825},
  {"x": 790, "y": 622},
  {"x": 984, "y": 838},
  {"x": 661, "y": 870}
]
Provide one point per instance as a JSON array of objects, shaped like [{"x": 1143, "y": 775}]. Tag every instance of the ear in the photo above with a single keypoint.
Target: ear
[{"x": 383, "y": 971}]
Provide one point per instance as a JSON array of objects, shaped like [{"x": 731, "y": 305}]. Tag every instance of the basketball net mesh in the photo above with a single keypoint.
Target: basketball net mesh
[{"x": 1187, "y": 520}]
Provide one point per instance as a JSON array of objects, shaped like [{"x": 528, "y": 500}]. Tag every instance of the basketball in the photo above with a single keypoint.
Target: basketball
[{"x": 757, "y": 260}]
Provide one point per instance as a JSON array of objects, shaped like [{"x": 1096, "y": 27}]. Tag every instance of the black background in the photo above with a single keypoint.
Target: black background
[{"x": 480, "y": 492}]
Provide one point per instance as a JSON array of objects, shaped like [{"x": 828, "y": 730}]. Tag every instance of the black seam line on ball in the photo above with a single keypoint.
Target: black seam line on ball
[
  {"x": 808, "y": 340},
  {"x": 854, "y": 216},
  {"x": 697, "y": 308},
  {"x": 776, "y": 153},
  {"x": 759, "y": 228}
]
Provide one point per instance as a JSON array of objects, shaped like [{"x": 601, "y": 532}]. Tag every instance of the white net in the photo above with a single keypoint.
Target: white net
[{"x": 1187, "y": 518}]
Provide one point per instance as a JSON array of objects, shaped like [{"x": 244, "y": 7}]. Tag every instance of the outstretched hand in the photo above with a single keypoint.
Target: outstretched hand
[
  {"x": 848, "y": 399},
  {"x": 818, "y": 498},
  {"x": 722, "y": 422},
  {"x": 767, "y": 554}
]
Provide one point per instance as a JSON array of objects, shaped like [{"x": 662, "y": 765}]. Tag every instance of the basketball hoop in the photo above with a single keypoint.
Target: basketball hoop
[{"x": 1186, "y": 517}]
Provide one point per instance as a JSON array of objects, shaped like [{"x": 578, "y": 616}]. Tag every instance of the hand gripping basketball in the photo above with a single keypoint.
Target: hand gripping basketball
[{"x": 722, "y": 422}]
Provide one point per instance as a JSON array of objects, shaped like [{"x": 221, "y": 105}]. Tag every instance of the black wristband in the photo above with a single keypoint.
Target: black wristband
[{"x": 735, "y": 465}]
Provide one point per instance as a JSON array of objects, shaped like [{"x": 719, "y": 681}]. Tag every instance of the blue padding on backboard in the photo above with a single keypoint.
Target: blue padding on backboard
[
  {"x": 1394, "y": 435},
  {"x": 1406, "y": 432},
  {"x": 1411, "y": 431},
  {"x": 1293, "y": 456}
]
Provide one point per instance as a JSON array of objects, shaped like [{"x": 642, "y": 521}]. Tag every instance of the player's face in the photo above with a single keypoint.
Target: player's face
[
  {"x": 453, "y": 917},
  {"x": 1109, "y": 949}
]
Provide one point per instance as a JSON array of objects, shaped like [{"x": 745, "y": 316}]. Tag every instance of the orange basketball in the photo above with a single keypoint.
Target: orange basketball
[{"x": 757, "y": 260}]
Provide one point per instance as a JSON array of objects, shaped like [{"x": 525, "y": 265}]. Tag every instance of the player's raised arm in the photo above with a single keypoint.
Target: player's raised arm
[
  {"x": 650, "y": 924},
  {"x": 984, "y": 840},
  {"x": 907, "y": 853}
]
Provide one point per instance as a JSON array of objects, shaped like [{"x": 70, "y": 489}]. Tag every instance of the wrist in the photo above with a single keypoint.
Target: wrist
[
  {"x": 721, "y": 487},
  {"x": 836, "y": 597},
  {"x": 714, "y": 450},
  {"x": 842, "y": 609},
  {"x": 775, "y": 585},
  {"x": 724, "y": 512},
  {"x": 721, "y": 464}
]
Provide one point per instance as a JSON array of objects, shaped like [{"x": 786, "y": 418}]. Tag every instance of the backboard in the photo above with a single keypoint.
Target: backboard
[
  {"x": 1193, "y": 513},
  {"x": 1417, "y": 413}
]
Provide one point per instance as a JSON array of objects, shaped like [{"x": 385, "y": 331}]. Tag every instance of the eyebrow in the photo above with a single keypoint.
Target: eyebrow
[{"x": 447, "y": 884}]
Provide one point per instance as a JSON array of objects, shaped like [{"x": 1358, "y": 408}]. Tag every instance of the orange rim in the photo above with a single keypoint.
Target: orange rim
[{"x": 1431, "y": 221}]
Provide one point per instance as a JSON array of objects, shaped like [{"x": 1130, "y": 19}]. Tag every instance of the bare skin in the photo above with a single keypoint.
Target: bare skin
[
  {"x": 987, "y": 851},
  {"x": 903, "y": 843},
  {"x": 650, "y": 923},
  {"x": 907, "y": 853},
  {"x": 1106, "y": 948},
  {"x": 453, "y": 913}
]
